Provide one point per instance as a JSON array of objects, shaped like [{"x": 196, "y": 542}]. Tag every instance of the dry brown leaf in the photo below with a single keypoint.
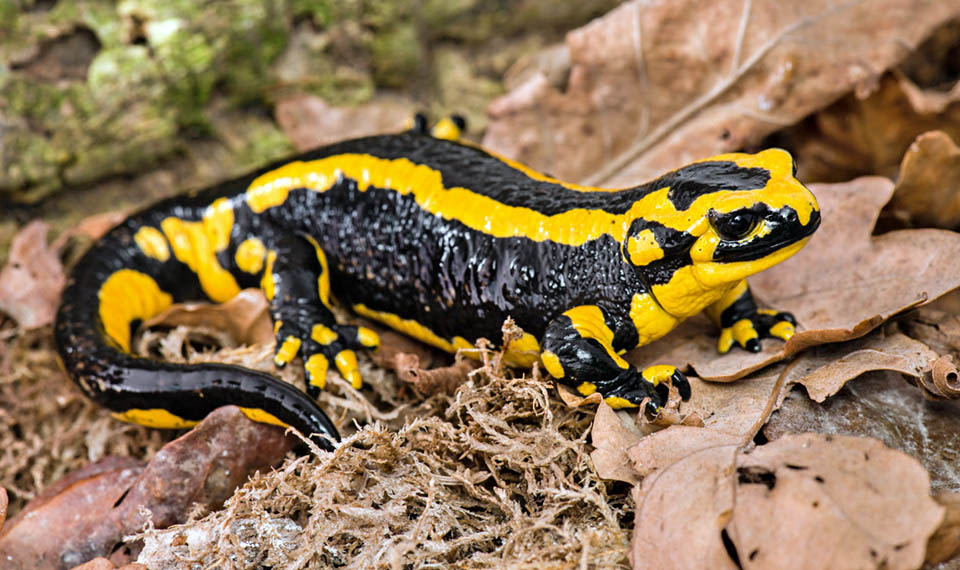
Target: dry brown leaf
[
  {"x": 928, "y": 189},
  {"x": 824, "y": 501},
  {"x": 31, "y": 281},
  {"x": 843, "y": 284},
  {"x": 88, "y": 513},
  {"x": 859, "y": 136},
  {"x": 654, "y": 85},
  {"x": 681, "y": 510},
  {"x": 394, "y": 346},
  {"x": 815, "y": 501},
  {"x": 612, "y": 437},
  {"x": 443, "y": 380},
  {"x": 944, "y": 379},
  {"x": 245, "y": 318},
  {"x": 310, "y": 121},
  {"x": 737, "y": 408},
  {"x": 945, "y": 543}
]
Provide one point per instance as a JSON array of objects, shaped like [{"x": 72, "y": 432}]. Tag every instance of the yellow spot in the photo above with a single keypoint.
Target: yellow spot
[
  {"x": 154, "y": 418},
  {"x": 587, "y": 388},
  {"x": 346, "y": 361},
  {"x": 589, "y": 323},
  {"x": 152, "y": 243},
  {"x": 323, "y": 334},
  {"x": 649, "y": 318},
  {"x": 783, "y": 330},
  {"x": 125, "y": 296},
  {"x": 316, "y": 368},
  {"x": 263, "y": 417},
  {"x": 618, "y": 403},
  {"x": 196, "y": 243},
  {"x": 218, "y": 223},
  {"x": 250, "y": 254},
  {"x": 643, "y": 248},
  {"x": 288, "y": 351},
  {"x": 367, "y": 337},
  {"x": 266, "y": 282},
  {"x": 523, "y": 352},
  {"x": 659, "y": 373},
  {"x": 552, "y": 363},
  {"x": 446, "y": 129},
  {"x": 276, "y": 326}
]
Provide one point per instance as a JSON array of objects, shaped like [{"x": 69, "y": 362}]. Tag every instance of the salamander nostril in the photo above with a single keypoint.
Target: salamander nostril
[{"x": 791, "y": 217}]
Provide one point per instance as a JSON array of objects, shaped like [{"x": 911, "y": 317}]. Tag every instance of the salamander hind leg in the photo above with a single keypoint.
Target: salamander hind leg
[
  {"x": 579, "y": 351},
  {"x": 296, "y": 281}
]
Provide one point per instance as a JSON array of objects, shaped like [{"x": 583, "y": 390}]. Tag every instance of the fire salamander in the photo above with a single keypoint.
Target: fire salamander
[{"x": 441, "y": 240}]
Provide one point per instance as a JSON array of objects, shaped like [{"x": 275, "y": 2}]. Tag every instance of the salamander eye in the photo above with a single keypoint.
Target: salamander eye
[{"x": 733, "y": 226}]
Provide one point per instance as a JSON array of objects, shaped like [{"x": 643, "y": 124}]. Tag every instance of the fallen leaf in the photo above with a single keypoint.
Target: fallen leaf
[
  {"x": 824, "y": 501},
  {"x": 88, "y": 513},
  {"x": 945, "y": 543},
  {"x": 311, "y": 122},
  {"x": 884, "y": 406},
  {"x": 815, "y": 501},
  {"x": 611, "y": 438},
  {"x": 654, "y": 85},
  {"x": 394, "y": 346},
  {"x": 837, "y": 292},
  {"x": 673, "y": 444},
  {"x": 944, "y": 381},
  {"x": 31, "y": 281},
  {"x": 928, "y": 189},
  {"x": 245, "y": 318},
  {"x": 442, "y": 380},
  {"x": 681, "y": 510},
  {"x": 738, "y": 408},
  {"x": 867, "y": 134}
]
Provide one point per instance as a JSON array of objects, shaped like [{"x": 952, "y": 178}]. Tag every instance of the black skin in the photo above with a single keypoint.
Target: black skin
[{"x": 385, "y": 252}]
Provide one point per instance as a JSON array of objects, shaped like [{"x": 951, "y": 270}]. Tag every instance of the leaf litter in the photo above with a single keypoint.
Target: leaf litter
[{"x": 450, "y": 464}]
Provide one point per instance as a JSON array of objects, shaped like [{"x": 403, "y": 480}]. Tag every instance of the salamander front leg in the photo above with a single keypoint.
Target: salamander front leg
[
  {"x": 743, "y": 324},
  {"x": 579, "y": 351},
  {"x": 297, "y": 283}
]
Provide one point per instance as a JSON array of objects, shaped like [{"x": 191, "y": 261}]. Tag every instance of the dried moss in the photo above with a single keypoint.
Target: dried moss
[{"x": 498, "y": 476}]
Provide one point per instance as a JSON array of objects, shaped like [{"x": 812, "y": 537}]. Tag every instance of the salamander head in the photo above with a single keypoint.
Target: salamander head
[
  {"x": 720, "y": 220},
  {"x": 748, "y": 231}
]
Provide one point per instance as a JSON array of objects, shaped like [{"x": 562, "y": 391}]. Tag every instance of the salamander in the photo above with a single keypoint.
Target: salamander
[{"x": 442, "y": 240}]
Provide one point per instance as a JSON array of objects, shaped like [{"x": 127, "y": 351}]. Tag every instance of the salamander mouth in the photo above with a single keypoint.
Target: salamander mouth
[{"x": 782, "y": 235}]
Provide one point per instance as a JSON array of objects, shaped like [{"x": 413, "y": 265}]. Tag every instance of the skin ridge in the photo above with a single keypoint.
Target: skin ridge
[{"x": 385, "y": 251}]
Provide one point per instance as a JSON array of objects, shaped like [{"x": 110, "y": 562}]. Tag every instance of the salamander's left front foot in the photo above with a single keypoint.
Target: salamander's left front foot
[
  {"x": 751, "y": 327},
  {"x": 632, "y": 387}
]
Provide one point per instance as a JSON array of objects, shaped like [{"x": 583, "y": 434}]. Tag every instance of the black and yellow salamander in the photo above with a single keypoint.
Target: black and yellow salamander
[{"x": 443, "y": 241}]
